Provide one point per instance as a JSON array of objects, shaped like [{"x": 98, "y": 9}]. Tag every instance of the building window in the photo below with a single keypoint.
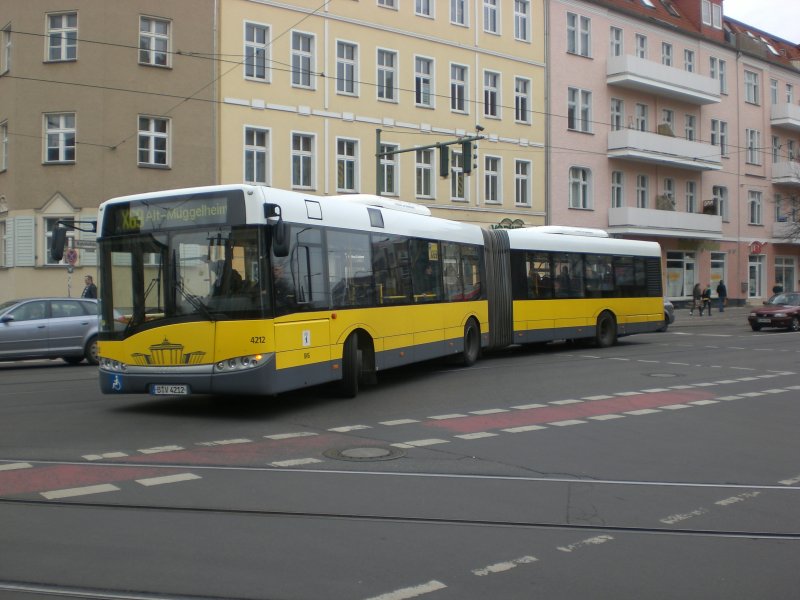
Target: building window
[
  {"x": 3, "y": 241},
  {"x": 457, "y": 178},
  {"x": 387, "y": 75},
  {"x": 522, "y": 100},
  {"x": 579, "y": 110},
  {"x": 617, "y": 114},
  {"x": 387, "y": 176},
  {"x": 50, "y": 224},
  {"x": 789, "y": 93},
  {"x": 617, "y": 189},
  {"x": 754, "y": 207},
  {"x": 688, "y": 60},
  {"x": 153, "y": 142},
  {"x": 753, "y": 138},
  {"x": 4, "y": 146},
  {"x": 388, "y": 3},
  {"x": 790, "y": 151},
  {"x": 458, "y": 12},
  {"x": 302, "y": 59},
  {"x": 720, "y": 201},
  {"x": 256, "y": 152},
  {"x": 642, "y": 191},
  {"x": 718, "y": 70},
  {"x": 641, "y": 117},
  {"x": 521, "y": 20},
  {"x": 690, "y": 127},
  {"x": 691, "y": 197},
  {"x": 423, "y": 8},
  {"x": 256, "y": 52},
  {"x": 579, "y": 31},
  {"x": 716, "y": 13},
  {"x": 60, "y": 134},
  {"x": 773, "y": 91},
  {"x": 719, "y": 135},
  {"x": 5, "y": 49},
  {"x": 641, "y": 45},
  {"x": 424, "y": 173},
  {"x": 423, "y": 81},
  {"x": 616, "y": 42},
  {"x": 668, "y": 119},
  {"x": 666, "y": 54},
  {"x": 154, "y": 42},
  {"x": 346, "y": 68},
  {"x": 458, "y": 88},
  {"x": 751, "y": 91},
  {"x": 668, "y": 196},
  {"x": 491, "y": 94},
  {"x": 579, "y": 187},
  {"x": 491, "y": 180},
  {"x": 522, "y": 183},
  {"x": 346, "y": 165},
  {"x": 491, "y": 18},
  {"x": 302, "y": 160},
  {"x": 776, "y": 148},
  {"x": 62, "y": 37}
]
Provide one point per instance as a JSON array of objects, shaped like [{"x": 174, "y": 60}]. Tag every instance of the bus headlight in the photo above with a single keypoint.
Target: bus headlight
[
  {"x": 113, "y": 365},
  {"x": 239, "y": 363}
]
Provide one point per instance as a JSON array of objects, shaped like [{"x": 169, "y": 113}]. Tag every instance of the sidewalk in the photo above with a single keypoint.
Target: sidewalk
[{"x": 735, "y": 316}]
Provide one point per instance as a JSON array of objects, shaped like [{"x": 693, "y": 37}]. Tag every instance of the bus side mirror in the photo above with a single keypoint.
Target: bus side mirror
[
  {"x": 58, "y": 242},
  {"x": 280, "y": 231}
]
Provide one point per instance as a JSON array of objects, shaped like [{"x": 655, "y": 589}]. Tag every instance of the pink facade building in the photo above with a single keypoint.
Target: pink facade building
[{"x": 670, "y": 122}]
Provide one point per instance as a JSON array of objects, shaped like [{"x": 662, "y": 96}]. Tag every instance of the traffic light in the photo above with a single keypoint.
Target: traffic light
[
  {"x": 444, "y": 161},
  {"x": 466, "y": 157}
]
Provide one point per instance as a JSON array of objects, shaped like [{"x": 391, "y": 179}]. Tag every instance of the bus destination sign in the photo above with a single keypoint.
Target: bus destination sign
[{"x": 178, "y": 213}]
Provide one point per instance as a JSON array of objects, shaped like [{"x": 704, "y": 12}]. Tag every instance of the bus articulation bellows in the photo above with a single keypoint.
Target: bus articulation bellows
[{"x": 252, "y": 290}]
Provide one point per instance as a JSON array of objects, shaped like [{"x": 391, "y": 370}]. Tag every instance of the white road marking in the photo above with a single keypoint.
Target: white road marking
[
  {"x": 287, "y": 436},
  {"x": 476, "y": 436},
  {"x": 673, "y": 519},
  {"x": 606, "y": 417},
  {"x": 81, "y": 491},
  {"x": 564, "y": 402},
  {"x": 726, "y": 381},
  {"x": 793, "y": 387},
  {"x": 623, "y": 394},
  {"x": 703, "y": 402},
  {"x": 428, "y": 442},
  {"x": 681, "y": 387},
  {"x": 296, "y": 462},
  {"x": 729, "y": 397},
  {"x": 151, "y": 481},
  {"x": 747, "y": 378},
  {"x": 504, "y": 566},
  {"x": 606, "y": 396},
  {"x": 411, "y": 592},
  {"x": 529, "y": 406},
  {"x": 225, "y": 442},
  {"x": 488, "y": 411},
  {"x": 642, "y": 411},
  {"x": 346, "y": 428},
  {"x": 399, "y": 422},
  {"x": 775, "y": 391},
  {"x": 524, "y": 428},
  {"x": 641, "y": 360},
  {"x": 567, "y": 423},
  {"x": 793, "y": 481},
  {"x": 738, "y": 498},
  {"x": 160, "y": 449},
  {"x": 679, "y": 364},
  {"x": 675, "y": 406},
  {"x": 15, "y": 466},
  {"x": 656, "y": 390},
  {"x": 709, "y": 384},
  {"x": 445, "y": 417},
  {"x": 593, "y": 541},
  {"x": 751, "y": 394}
]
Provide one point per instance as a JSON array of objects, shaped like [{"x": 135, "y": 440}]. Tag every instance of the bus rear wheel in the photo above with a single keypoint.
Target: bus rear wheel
[
  {"x": 606, "y": 331},
  {"x": 351, "y": 367},
  {"x": 472, "y": 343}
]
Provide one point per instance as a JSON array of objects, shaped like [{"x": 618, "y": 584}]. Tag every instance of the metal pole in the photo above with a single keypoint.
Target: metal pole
[{"x": 377, "y": 162}]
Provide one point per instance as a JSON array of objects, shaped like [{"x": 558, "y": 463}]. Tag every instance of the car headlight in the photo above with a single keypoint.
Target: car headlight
[
  {"x": 780, "y": 315},
  {"x": 752, "y": 314}
]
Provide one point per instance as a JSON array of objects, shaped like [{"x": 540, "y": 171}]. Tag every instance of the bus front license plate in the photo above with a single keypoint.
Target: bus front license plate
[{"x": 169, "y": 390}]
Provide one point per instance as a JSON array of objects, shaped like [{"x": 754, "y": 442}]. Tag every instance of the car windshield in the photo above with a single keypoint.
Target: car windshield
[{"x": 785, "y": 300}]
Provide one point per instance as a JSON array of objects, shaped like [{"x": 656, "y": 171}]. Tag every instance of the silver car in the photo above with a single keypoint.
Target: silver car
[{"x": 49, "y": 328}]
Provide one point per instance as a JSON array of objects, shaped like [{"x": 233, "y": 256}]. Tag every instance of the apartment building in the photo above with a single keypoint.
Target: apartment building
[
  {"x": 322, "y": 89},
  {"x": 670, "y": 122},
  {"x": 97, "y": 99}
]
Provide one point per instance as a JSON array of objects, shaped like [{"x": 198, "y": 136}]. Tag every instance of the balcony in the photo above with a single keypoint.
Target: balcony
[
  {"x": 786, "y": 231},
  {"x": 657, "y": 149},
  {"x": 786, "y": 173},
  {"x": 666, "y": 223},
  {"x": 786, "y": 116},
  {"x": 645, "y": 75}
]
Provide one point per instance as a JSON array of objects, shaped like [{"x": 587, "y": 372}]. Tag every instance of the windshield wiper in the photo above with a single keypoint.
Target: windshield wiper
[{"x": 196, "y": 303}]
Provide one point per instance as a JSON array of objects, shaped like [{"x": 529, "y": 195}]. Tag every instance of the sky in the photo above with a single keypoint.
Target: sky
[{"x": 778, "y": 17}]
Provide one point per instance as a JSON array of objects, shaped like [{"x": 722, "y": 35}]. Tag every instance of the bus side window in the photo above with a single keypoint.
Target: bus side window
[
  {"x": 390, "y": 267},
  {"x": 350, "y": 268}
]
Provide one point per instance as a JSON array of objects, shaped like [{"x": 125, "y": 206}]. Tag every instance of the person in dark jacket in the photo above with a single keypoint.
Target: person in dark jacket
[
  {"x": 722, "y": 294},
  {"x": 706, "y": 301},
  {"x": 90, "y": 290},
  {"x": 697, "y": 300}
]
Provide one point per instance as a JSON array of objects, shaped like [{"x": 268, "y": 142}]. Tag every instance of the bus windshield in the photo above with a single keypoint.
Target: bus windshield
[{"x": 182, "y": 275}]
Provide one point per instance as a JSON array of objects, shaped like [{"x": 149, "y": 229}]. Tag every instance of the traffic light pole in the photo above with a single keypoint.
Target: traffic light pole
[{"x": 379, "y": 155}]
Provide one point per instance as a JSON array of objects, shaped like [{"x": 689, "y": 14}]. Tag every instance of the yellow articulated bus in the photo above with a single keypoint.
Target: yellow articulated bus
[{"x": 244, "y": 289}]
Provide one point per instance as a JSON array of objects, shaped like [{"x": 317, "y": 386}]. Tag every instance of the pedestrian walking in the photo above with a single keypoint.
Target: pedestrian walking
[
  {"x": 697, "y": 300},
  {"x": 722, "y": 295},
  {"x": 90, "y": 291},
  {"x": 706, "y": 301}
]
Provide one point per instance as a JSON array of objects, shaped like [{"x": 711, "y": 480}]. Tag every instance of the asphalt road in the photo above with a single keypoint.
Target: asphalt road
[{"x": 664, "y": 467}]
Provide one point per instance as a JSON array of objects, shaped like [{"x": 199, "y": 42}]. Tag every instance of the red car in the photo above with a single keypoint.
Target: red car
[{"x": 782, "y": 310}]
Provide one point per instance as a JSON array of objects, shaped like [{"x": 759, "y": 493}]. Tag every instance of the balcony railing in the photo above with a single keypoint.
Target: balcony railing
[
  {"x": 645, "y": 75},
  {"x": 786, "y": 115},
  {"x": 786, "y": 173},
  {"x": 654, "y": 148},
  {"x": 651, "y": 221}
]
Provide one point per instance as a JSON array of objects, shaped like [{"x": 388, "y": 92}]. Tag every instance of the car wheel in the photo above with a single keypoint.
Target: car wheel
[
  {"x": 91, "y": 352},
  {"x": 795, "y": 324},
  {"x": 72, "y": 360},
  {"x": 755, "y": 326}
]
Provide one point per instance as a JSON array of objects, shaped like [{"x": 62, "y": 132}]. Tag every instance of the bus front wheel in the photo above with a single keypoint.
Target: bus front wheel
[
  {"x": 472, "y": 343},
  {"x": 606, "y": 332},
  {"x": 351, "y": 367}
]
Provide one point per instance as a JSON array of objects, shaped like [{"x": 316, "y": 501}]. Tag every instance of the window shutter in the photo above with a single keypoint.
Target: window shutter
[
  {"x": 8, "y": 242},
  {"x": 24, "y": 242}
]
